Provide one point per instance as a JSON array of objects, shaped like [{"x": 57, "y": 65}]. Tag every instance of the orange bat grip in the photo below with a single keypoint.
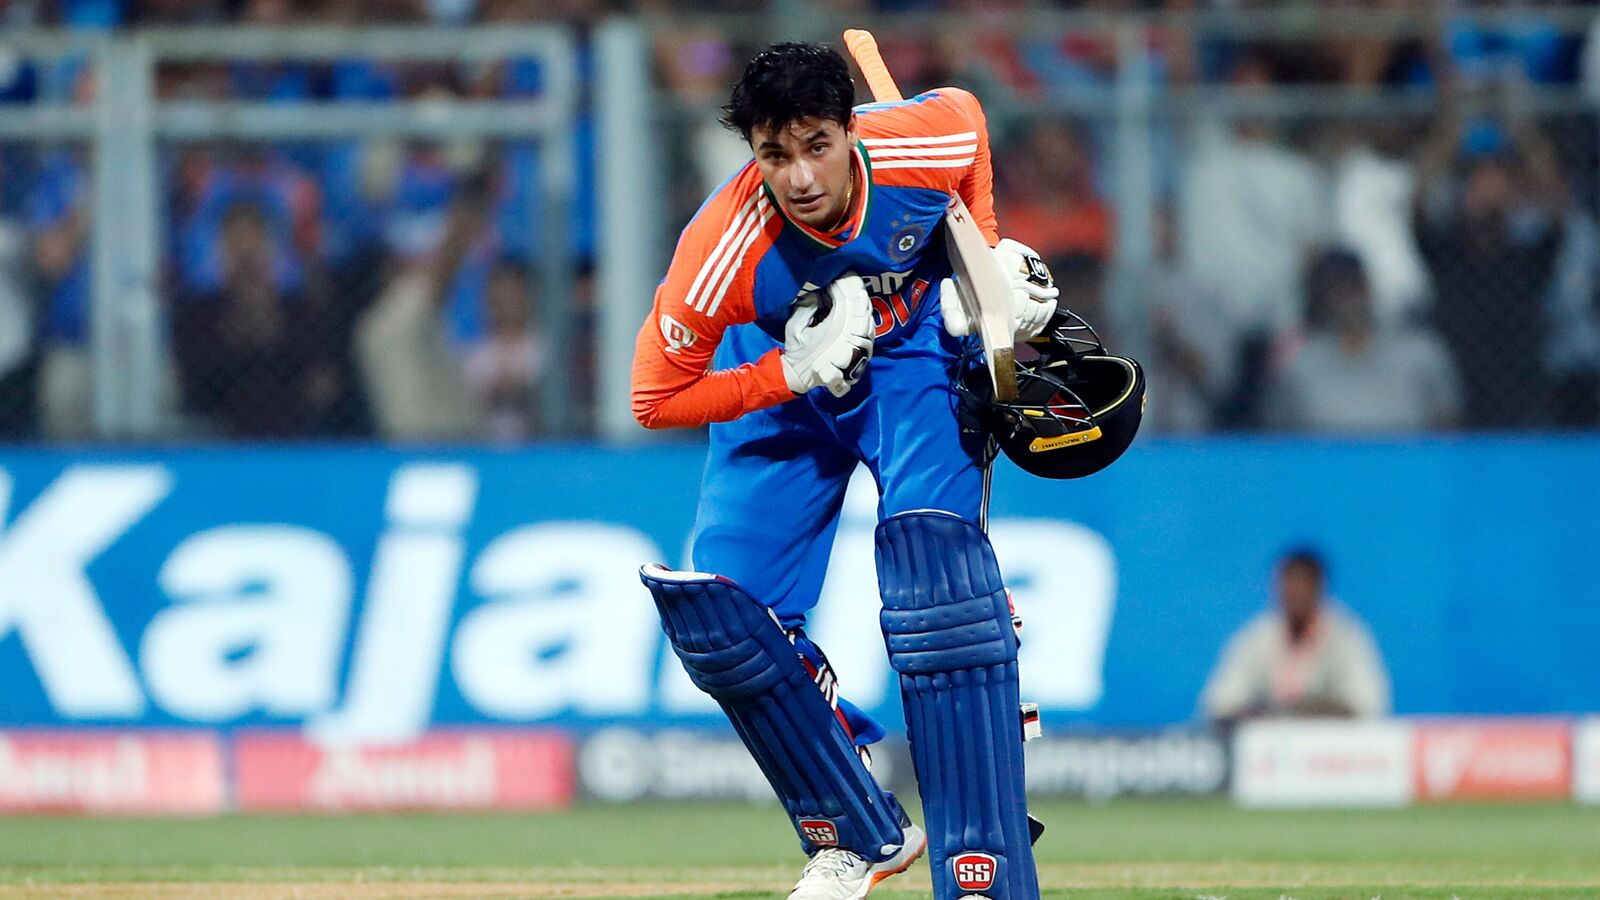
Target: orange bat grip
[{"x": 864, "y": 47}]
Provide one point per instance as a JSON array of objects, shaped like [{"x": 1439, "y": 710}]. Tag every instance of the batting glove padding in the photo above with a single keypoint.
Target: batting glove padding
[
  {"x": 1033, "y": 293},
  {"x": 828, "y": 340}
]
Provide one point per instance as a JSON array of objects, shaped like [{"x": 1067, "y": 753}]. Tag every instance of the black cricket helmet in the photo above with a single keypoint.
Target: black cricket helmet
[{"x": 1078, "y": 407}]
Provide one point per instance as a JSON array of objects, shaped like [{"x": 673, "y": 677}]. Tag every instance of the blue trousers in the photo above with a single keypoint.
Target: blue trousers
[{"x": 775, "y": 479}]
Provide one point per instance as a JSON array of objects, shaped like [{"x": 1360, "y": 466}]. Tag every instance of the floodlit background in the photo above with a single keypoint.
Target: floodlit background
[{"x": 320, "y": 493}]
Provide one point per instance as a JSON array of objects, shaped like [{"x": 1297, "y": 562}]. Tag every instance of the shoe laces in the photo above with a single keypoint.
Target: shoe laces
[{"x": 832, "y": 862}]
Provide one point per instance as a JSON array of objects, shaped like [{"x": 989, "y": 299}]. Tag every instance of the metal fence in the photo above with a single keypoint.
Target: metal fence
[
  {"x": 300, "y": 233},
  {"x": 1300, "y": 220}
]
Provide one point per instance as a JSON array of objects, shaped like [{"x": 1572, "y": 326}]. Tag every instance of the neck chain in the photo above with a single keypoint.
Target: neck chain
[{"x": 849, "y": 194}]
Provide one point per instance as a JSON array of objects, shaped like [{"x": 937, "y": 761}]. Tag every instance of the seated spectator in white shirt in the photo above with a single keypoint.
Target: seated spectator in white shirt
[
  {"x": 1353, "y": 375},
  {"x": 1307, "y": 657}
]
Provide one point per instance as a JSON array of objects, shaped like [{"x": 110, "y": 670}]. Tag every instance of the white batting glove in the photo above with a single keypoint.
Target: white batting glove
[
  {"x": 1033, "y": 293},
  {"x": 955, "y": 311},
  {"x": 1033, "y": 289},
  {"x": 828, "y": 345}
]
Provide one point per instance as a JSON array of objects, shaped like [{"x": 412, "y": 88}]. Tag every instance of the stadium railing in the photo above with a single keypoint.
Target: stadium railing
[
  {"x": 141, "y": 123},
  {"x": 1105, "y": 129}
]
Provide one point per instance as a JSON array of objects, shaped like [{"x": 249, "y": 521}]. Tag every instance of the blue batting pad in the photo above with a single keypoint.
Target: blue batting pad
[
  {"x": 950, "y": 638},
  {"x": 734, "y": 650}
]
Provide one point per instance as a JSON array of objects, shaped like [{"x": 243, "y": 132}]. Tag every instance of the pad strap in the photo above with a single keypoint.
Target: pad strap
[
  {"x": 735, "y": 650},
  {"x": 948, "y": 627}
]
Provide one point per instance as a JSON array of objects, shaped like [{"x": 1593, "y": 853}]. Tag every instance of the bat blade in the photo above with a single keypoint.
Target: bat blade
[{"x": 985, "y": 293}]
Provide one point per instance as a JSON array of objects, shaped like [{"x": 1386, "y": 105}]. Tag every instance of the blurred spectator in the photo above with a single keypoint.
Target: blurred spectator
[
  {"x": 582, "y": 355},
  {"x": 253, "y": 358},
  {"x": 1362, "y": 59},
  {"x": 192, "y": 82},
  {"x": 1049, "y": 201},
  {"x": 1307, "y": 657},
  {"x": 92, "y": 14},
  {"x": 18, "y": 85},
  {"x": 283, "y": 81},
  {"x": 429, "y": 193},
  {"x": 1081, "y": 277},
  {"x": 414, "y": 381},
  {"x": 1575, "y": 301},
  {"x": 1081, "y": 58},
  {"x": 1251, "y": 210},
  {"x": 352, "y": 174},
  {"x": 1324, "y": 54},
  {"x": 1489, "y": 221},
  {"x": 218, "y": 182},
  {"x": 983, "y": 57},
  {"x": 393, "y": 11},
  {"x": 450, "y": 12},
  {"x": 1589, "y": 64},
  {"x": 1573, "y": 348},
  {"x": 413, "y": 187},
  {"x": 1519, "y": 45},
  {"x": 697, "y": 65},
  {"x": 17, "y": 362},
  {"x": 519, "y": 216},
  {"x": 59, "y": 218},
  {"x": 1355, "y": 375},
  {"x": 182, "y": 12},
  {"x": 1190, "y": 361},
  {"x": 1373, "y": 183},
  {"x": 20, "y": 14},
  {"x": 575, "y": 11},
  {"x": 505, "y": 368}
]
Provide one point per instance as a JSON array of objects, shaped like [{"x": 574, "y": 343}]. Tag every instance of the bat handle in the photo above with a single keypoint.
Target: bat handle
[{"x": 864, "y": 47}]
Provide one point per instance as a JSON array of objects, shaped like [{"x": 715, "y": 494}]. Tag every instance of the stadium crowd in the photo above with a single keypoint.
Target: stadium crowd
[{"x": 1390, "y": 274}]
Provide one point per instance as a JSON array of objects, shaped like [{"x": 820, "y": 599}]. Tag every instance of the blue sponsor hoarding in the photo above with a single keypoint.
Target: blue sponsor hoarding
[{"x": 366, "y": 592}]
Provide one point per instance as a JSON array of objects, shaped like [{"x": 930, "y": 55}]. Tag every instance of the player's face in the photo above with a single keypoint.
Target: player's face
[
  {"x": 1300, "y": 592},
  {"x": 807, "y": 165}
]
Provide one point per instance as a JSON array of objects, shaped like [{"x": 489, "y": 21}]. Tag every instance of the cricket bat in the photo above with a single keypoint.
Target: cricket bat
[{"x": 981, "y": 284}]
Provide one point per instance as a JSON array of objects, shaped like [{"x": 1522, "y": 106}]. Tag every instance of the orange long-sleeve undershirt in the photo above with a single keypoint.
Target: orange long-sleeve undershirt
[{"x": 709, "y": 288}]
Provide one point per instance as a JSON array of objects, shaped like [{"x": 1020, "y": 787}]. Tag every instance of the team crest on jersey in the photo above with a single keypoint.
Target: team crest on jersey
[
  {"x": 821, "y": 832},
  {"x": 677, "y": 334},
  {"x": 973, "y": 871},
  {"x": 907, "y": 238}
]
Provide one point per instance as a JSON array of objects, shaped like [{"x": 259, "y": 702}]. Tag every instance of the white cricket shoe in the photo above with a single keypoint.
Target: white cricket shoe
[{"x": 837, "y": 874}]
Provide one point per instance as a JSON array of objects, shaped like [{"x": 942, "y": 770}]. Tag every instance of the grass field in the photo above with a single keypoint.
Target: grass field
[{"x": 1124, "y": 850}]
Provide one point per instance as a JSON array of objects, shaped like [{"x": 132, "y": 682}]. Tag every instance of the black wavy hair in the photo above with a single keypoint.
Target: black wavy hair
[
  {"x": 1307, "y": 557},
  {"x": 786, "y": 83}
]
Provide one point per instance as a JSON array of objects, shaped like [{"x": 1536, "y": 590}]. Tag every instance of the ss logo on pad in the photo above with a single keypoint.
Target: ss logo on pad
[
  {"x": 821, "y": 832},
  {"x": 973, "y": 871}
]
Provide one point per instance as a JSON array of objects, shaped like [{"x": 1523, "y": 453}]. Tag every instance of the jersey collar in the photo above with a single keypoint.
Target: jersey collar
[{"x": 852, "y": 228}]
